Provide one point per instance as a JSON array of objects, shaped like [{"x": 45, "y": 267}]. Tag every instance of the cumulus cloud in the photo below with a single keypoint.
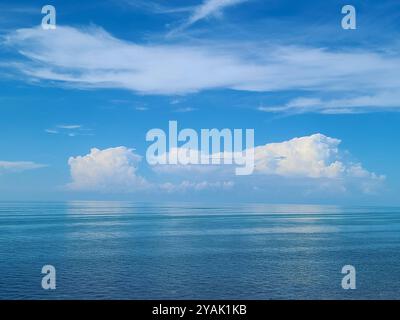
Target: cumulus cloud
[
  {"x": 316, "y": 157},
  {"x": 114, "y": 170},
  {"x": 360, "y": 79},
  {"x": 18, "y": 166},
  {"x": 111, "y": 170},
  {"x": 314, "y": 161}
]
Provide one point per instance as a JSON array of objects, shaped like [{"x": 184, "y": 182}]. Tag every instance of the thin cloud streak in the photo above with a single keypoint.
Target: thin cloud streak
[
  {"x": 206, "y": 9},
  {"x": 19, "y": 166}
]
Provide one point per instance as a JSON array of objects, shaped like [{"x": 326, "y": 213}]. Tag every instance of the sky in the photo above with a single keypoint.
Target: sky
[{"x": 77, "y": 102}]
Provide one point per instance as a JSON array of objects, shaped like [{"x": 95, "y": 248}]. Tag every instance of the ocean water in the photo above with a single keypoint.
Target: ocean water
[{"x": 122, "y": 250}]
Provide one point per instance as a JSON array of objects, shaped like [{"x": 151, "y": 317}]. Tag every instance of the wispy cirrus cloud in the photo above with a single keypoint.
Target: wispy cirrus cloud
[
  {"x": 207, "y": 9},
  {"x": 19, "y": 166},
  {"x": 358, "y": 79},
  {"x": 71, "y": 130},
  {"x": 185, "y": 110},
  {"x": 352, "y": 104},
  {"x": 51, "y": 131},
  {"x": 155, "y": 7},
  {"x": 141, "y": 108},
  {"x": 69, "y": 126},
  {"x": 211, "y": 7}
]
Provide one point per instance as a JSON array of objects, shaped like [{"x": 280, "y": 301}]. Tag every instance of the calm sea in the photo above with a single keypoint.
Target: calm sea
[{"x": 122, "y": 250}]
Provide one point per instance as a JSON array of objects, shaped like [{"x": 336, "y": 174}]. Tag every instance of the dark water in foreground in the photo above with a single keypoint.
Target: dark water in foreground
[{"x": 130, "y": 251}]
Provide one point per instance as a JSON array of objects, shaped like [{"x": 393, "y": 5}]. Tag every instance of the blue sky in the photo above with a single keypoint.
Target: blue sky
[{"x": 112, "y": 70}]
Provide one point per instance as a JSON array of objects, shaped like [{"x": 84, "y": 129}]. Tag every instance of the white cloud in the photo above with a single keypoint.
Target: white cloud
[
  {"x": 357, "y": 104},
  {"x": 51, "y": 131},
  {"x": 114, "y": 170},
  {"x": 155, "y": 8},
  {"x": 185, "y": 110},
  {"x": 314, "y": 161},
  {"x": 69, "y": 126},
  {"x": 196, "y": 160},
  {"x": 70, "y": 130},
  {"x": 206, "y": 9},
  {"x": 93, "y": 58},
  {"x": 316, "y": 157},
  {"x": 111, "y": 170},
  {"x": 360, "y": 80},
  {"x": 18, "y": 166}
]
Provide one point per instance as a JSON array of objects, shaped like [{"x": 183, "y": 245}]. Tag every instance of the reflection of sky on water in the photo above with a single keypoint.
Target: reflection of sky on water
[
  {"x": 137, "y": 250},
  {"x": 109, "y": 207}
]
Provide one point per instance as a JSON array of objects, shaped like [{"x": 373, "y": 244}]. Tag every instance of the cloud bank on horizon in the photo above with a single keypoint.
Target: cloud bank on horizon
[{"x": 316, "y": 157}]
